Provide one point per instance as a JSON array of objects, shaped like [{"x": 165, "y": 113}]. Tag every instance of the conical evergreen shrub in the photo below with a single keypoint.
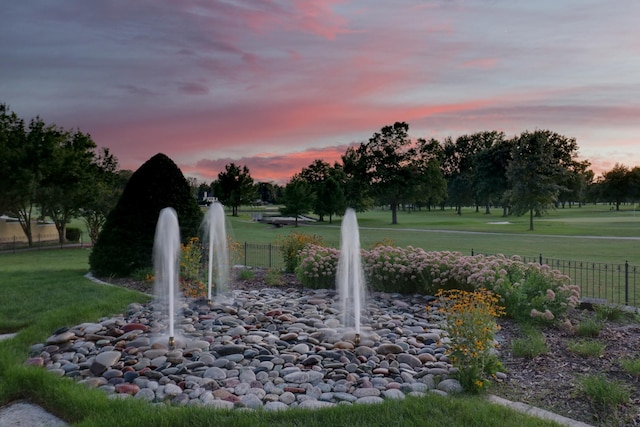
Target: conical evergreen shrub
[{"x": 125, "y": 243}]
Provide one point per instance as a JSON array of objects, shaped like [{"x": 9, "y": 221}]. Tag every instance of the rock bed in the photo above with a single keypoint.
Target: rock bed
[{"x": 270, "y": 348}]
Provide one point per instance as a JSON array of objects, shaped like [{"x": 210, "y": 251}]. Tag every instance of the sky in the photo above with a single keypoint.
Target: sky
[{"x": 277, "y": 84}]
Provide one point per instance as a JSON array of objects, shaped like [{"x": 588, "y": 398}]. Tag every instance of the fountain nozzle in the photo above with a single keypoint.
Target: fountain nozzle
[
  {"x": 357, "y": 339},
  {"x": 172, "y": 343}
]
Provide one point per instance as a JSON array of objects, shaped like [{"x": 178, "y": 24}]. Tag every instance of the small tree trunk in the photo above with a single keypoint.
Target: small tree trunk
[{"x": 531, "y": 220}]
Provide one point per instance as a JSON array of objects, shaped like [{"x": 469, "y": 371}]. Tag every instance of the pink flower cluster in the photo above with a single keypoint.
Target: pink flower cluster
[{"x": 528, "y": 288}]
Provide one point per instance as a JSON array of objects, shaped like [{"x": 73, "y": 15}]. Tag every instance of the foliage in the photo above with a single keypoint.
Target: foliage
[
  {"x": 632, "y": 366},
  {"x": 245, "y": 274},
  {"x": 603, "y": 393},
  {"x": 532, "y": 345},
  {"x": 608, "y": 312},
  {"x": 273, "y": 277},
  {"x": 318, "y": 266},
  {"x": 471, "y": 327},
  {"x": 234, "y": 187},
  {"x": 528, "y": 291},
  {"x": 43, "y": 166},
  {"x": 586, "y": 348},
  {"x": 126, "y": 240},
  {"x": 298, "y": 198},
  {"x": 539, "y": 162},
  {"x": 292, "y": 244},
  {"x": 73, "y": 234},
  {"x": 588, "y": 328}
]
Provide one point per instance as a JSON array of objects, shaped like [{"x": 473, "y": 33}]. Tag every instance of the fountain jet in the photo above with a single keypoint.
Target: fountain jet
[
  {"x": 215, "y": 236},
  {"x": 350, "y": 276},
  {"x": 166, "y": 262}
]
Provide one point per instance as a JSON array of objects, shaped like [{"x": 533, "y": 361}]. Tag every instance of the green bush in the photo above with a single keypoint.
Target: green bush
[
  {"x": 73, "y": 234},
  {"x": 291, "y": 246},
  {"x": 125, "y": 243}
]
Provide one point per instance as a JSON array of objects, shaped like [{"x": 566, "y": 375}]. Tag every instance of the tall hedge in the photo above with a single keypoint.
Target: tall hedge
[{"x": 125, "y": 243}]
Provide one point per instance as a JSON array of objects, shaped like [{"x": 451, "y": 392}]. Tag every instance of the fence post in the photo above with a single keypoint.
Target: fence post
[
  {"x": 626, "y": 282},
  {"x": 471, "y": 251},
  {"x": 269, "y": 255},
  {"x": 540, "y": 260},
  {"x": 245, "y": 253}
]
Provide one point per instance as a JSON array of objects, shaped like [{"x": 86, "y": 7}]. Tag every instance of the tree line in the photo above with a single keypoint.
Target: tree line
[
  {"x": 525, "y": 174},
  {"x": 48, "y": 171}
]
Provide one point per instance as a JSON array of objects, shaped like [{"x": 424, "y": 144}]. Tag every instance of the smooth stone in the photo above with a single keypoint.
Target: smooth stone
[
  {"x": 409, "y": 359},
  {"x": 61, "y": 338},
  {"x": 127, "y": 388},
  {"x": 315, "y": 404},
  {"x": 366, "y": 392},
  {"x": 275, "y": 406},
  {"x": 251, "y": 401},
  {"x": 393, "y": 394},
  {"x": 146, "y": 394},
  {"x": 369, "y": 400},
  {"x": 385, "y": 349},
  {"x": 215, "y": 373},
  {"x": 450, "y": 386},
  {"x": 105, "y": 360}
]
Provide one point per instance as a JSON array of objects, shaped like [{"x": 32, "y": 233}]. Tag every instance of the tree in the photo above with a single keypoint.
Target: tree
[
  {"x": 315, "y": 175},
  {"x": 267, "y": 192},
  {"x": 532, "y": 174},
  {"x": 332, "y": 196},
  {"x": 234, "y": 187},
  {"x": 66, "y": 183},
  {"x": 615, "y": 185},
  {"x": 390, "y": 160},
  {"x": 356, "y": 186},
  {"x": 297, "y": 198},
  {"x": 458, "y": 166},
  {"x": 107, "y": 185},
  {"x": 490, "y": 173},
  {"x": 125, "y": 243},
  {"x": 432, "y": 187}
]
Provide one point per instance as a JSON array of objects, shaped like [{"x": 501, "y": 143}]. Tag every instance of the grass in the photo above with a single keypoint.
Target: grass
[
  {"x": 603, "y": 393},
  {"x": 589, "y": 328},
  {"x": 590, "y": 233},
  {"x": 632, "y": 366},
  {"x": 586, "y": 348},
  {"x": 46, "y": 290},
  {"x": 532, "y": 345}
]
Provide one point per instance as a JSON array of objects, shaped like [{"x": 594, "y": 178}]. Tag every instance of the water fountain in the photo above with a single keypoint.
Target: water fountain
[
  {"x": 350, "y": 276},
  {"x": 166, "y": 254},
  {"x": 215, "y": 236}
]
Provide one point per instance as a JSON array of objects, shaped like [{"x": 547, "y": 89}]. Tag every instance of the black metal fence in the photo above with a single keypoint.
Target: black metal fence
[
  {"x": 40, "y": 241},
  {"x": 610, "y": 282}
]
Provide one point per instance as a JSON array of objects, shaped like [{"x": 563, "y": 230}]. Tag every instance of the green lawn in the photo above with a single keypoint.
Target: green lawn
[
  {"x": 45, "y": 290},
  {"x": 591, "y": 233}
]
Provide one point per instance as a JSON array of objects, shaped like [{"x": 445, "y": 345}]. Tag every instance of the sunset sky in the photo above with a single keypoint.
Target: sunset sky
[{"x": 276, "y": 84}]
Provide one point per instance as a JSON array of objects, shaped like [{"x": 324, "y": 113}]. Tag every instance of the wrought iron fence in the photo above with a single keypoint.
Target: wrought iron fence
[
  {"x": 610, "y": 282},
  {"x": 40, "y": 240}
]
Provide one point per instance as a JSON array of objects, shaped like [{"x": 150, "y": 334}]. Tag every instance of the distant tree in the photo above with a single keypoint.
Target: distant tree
[
  {"x": 532, "y": 175},
  {"x": 332, "y": 195},
  {"x": 431, "y": 188},
  {"x": 234, "y": 187},
  {"x": 634, "y": 184},
  {"x": 45, "y": 170},
  {"x": 458, "y": 166},
  {"x": 391, "y": 167},
  {"x": 266, "y": 192},
  {"x": 490, "y": 173},
  {"x": 356, "y": 184},
  {"x": 125, "y": 243},
  {"x": 67, "y": 184},
  {"x": 316, "y": 175},
  {"x": 615, "y": 186},
  {"x": 107, "y": 185},
  {"x": 297, "y": 198}
]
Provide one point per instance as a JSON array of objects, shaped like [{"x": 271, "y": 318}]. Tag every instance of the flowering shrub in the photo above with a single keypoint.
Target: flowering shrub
[
  {"x": 191, "y": 269},
  {"x": 291, "y": 246},
  {"x": 525, "y": 290},
  {"x": 471, "y": 327},
  {"x": 537, "y": 292},
  {"x": 318, "y": 265}
]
